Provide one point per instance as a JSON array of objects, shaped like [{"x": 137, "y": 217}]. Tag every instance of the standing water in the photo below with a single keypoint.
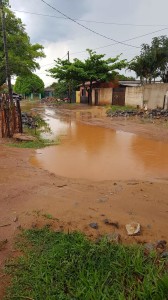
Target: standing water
[{"x": 97, "y": 153}]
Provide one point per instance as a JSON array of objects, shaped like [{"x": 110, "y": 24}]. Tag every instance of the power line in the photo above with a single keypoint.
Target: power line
[
  {"x": 53, "y": 62},
  {"x": 87, "y": 28},
  {"x": 93, "y": 21},
  {"x": 134, "y": 38},
  {"x": 112, "y": 39}
]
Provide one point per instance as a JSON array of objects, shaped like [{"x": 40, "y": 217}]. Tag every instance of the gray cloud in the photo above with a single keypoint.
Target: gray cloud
[
  {"x": 59, "y": 36},
  {"x": 43, "y": 28}
]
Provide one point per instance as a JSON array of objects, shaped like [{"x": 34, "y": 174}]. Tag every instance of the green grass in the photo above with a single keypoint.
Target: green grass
[
  {"x": 49, "y": 217},
  {"x": 40, "y": 143},
  {"x": 114, "y": 108},
  {"x": 58, "y": 266}
]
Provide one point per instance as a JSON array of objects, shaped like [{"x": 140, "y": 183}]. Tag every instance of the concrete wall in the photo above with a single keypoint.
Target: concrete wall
[
  {"x": 154, "y": 94},
  {"x": 105, "y": 96},
  {"x": 134, "y": 96}
]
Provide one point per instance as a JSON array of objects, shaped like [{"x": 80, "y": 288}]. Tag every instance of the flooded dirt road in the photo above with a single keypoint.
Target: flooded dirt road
[
  {"x": 96, "y": 153},
  {"x": 31, "y": 196}
]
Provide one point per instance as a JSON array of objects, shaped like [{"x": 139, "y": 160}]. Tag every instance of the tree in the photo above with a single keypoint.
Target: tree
[
  {"x": 60, "y": 89},
  {"x": 22, "y": 54},
  {"x": 152, "y": 61},
  {"x": 29, "y": 84},
  {"x": 94, "y": 68}
]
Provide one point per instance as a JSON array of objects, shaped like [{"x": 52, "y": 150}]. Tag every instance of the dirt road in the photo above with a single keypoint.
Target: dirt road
[{"x": 32, "y": 197}]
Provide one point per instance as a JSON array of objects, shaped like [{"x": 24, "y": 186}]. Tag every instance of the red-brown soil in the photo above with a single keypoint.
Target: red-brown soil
[{"x": 27, "y": 193}]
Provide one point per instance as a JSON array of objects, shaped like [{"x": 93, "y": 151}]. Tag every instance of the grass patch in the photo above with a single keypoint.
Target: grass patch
[
  {"x": 49, "y": 217},
  {"x": 114, "y": 108},
  {"x": 41, "y": 127},
  {"x": 40, "y": 143},
  {"x": 58, "y": 266}
]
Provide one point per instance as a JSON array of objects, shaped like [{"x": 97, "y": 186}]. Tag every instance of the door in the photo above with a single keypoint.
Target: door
[{"x": 118, "y": 97}]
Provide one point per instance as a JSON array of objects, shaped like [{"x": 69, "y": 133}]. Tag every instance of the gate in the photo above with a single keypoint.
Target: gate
[{"x": 118, "y": 97}]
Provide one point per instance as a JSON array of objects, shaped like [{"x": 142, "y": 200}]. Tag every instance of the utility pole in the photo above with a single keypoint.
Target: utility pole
[
  {"x": 69, "y": 88},
  {"x": 8, "y": 76}
]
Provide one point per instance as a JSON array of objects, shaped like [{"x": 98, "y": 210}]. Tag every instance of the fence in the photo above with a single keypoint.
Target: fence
[{"x": 10, "y": 115}]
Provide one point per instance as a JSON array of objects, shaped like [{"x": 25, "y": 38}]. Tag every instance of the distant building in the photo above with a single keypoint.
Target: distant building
[{"x": 49, "y": 92}]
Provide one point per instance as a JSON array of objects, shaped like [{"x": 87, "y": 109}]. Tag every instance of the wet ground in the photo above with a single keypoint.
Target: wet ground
[
  {"x": 96, "y": 153},
  {"x": 32, "y": 196}
]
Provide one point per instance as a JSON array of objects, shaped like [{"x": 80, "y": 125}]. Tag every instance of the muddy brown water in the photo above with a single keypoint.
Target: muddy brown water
[{"x": 92, "y": 152}]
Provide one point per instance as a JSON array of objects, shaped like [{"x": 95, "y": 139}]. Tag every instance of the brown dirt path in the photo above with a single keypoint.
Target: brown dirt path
[{"x": 28, "y": 193}]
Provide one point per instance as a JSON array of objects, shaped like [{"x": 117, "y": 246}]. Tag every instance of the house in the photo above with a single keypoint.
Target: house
[
  {"x": 112, "y": 93},
  {"x": 122, "y": 93},
  {"x": 49, "y": 92}
]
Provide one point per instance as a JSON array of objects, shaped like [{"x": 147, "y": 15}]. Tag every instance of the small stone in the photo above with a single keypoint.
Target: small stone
[
  {"x": 161, "y": 244},
  {"x": 133, "y": 228},
  {"x": 113, "y": 237},
  {"x": 115, "y": 183},
  {"x": 94, "y": 225},
  {"x": 15, "y": 219},
  {"x": 108, "y": 222},
  {"x": 164, "y": 254},
  {"x": 102, "y": 200},
  {"x": 23, "y": 137},
  {"x": 149, "y": 247}
]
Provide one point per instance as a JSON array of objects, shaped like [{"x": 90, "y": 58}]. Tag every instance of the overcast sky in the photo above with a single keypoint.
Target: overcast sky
[{"x": 59, "y": 35}]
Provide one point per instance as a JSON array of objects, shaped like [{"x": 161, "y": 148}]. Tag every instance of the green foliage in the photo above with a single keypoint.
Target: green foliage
[
  {"x": 153, "y": 61},
  {"x": 29, "y": 84},
  {"x": 94, "y": 68},
  {"x": 123, "y": 77},
  {"x": 61, "y": 89},
  {"x": 22, "y": 54},
  {"x": 70, "y": 267}
]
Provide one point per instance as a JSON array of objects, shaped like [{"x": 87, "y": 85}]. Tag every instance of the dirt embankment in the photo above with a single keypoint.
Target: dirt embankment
[{"x": 30, "y": 196}]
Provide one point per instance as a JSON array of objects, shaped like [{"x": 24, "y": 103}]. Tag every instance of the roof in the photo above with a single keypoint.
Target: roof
[
  {"x": 113, "y": 83},
  {"x": 49, "y": 89},
  {"x": 130, "y": 83}
]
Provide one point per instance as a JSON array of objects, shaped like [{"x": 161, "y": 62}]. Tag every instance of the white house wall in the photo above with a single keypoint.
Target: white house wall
[
  {"x": 154, "y": 94},
  {"x": 134, "y": 96},
  {"x": 105, "y": 96}
]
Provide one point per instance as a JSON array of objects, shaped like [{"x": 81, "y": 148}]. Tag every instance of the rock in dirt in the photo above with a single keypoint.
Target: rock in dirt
[
  {"x": 161, "y": 245},
  {"x": 111, "y": 223},
  {"x": 133, "y": 229},
  {"x": 94, "y": 225},
  {"x": 113, "y": 237},
  {"x": 15, "y": 219},
  {"x": 23, "y": 137},
  {"x": 149, "y": 247},
  {"x": 164, "y": 254}
]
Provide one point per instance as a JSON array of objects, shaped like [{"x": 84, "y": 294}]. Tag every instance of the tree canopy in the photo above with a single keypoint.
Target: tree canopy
[
  {"x": 152, "y": 62},
  {"x": 22, "y": 54},
  {"x": 29, "y": 84},
  {"x": 94, "y": 68}
]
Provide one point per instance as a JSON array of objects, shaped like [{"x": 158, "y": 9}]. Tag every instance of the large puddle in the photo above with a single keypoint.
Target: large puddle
[{"x": 97, "y": 153}]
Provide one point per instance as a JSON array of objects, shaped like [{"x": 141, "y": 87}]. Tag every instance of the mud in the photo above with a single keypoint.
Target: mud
[
  {"x": 28, "y": 193},
  {"x": 97, "y": 153}
]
